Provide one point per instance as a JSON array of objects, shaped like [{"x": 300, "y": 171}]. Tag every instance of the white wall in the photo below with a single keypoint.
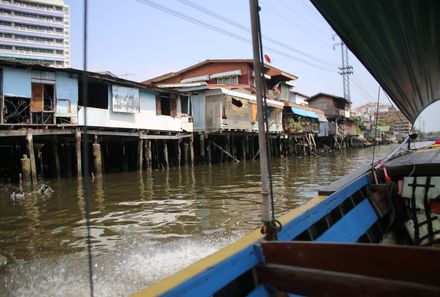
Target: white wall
[{"x": 145, "y": 119}]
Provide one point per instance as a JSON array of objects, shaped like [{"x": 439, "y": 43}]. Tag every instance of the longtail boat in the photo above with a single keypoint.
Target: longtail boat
[{"x": 374, "y": 232}]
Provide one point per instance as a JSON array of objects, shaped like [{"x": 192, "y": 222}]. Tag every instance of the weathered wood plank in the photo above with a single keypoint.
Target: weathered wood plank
[
  {"x": 315, "y": 282},
  {"x": 225, "y": 152},
  {"x": 407, "y": 264},
  {"x": 22, "y": 132}
]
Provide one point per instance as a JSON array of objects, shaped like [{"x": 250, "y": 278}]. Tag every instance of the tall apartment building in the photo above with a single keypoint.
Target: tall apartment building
[{"x": 36, "y": 31}]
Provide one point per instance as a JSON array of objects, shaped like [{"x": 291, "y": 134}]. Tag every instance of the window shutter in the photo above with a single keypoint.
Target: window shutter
[
  {"x": 158, "y": 105},
  {"x": 37, "y": 98}
]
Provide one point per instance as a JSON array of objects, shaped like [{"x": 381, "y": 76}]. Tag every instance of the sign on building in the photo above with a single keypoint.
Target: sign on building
[{"x": 125, "y": 99}]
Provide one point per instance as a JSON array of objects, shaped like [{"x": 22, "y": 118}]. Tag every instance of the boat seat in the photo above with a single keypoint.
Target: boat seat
[{"x": 423, "y": 225}]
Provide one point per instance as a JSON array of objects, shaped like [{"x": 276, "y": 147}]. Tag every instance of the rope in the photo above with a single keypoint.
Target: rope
[
  {"x": 274, "y": 222},
  {"x": 86, "y": 156},
  {"x": 375, "y": 130}
]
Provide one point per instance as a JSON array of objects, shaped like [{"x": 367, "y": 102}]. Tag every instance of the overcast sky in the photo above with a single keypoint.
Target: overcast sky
[{"x": 137, "y": 42}]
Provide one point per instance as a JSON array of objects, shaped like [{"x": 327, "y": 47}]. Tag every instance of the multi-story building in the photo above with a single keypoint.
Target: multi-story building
[
  {"x": 35, "y": 31},
  {"x": 395, "y": 118}
]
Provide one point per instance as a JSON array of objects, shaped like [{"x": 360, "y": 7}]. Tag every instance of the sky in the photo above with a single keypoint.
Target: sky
[{"x": 137, "y": 41}]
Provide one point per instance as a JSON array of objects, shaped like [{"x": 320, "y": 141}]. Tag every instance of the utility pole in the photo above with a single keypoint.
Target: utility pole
[
  {"x": 345, "y": 70},
  {"x": 264, "y": 169}
]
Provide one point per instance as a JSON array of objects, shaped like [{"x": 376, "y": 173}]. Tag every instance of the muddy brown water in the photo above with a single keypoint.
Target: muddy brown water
[{"x": 146, "y": 226}]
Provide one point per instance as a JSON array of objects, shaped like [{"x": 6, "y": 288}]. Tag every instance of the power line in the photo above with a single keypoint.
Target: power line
[
  {"x": 224, "y": 32},
  {"x": 248, "y": 30},
  {"x": 306, "y": 20},
  {"x": 295, "y": 25},
  {"x": 359, "y": 85}
]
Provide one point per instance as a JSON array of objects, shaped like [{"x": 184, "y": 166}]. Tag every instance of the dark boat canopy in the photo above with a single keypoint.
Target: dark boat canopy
[{"x": 398, "y": 41}]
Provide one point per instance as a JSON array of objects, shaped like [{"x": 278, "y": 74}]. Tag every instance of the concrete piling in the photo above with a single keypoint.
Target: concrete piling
[
  {"x": 26, "y": 170},
  {"x": 97, "y": 159},
  {"x": 31, "y": 153}
]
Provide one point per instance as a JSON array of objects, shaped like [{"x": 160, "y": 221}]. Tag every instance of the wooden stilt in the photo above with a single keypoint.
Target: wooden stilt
[
  {"x": 148, "y": 154},
  {"x": 228, "y": 145},
  {"x": 280, "y": 145},
  {"x": 226, "y": 152},
  {"x": 97, "y": 159},
  {"x": 31, "y": 153},
  {"x": 140, "y": 154},
  {"x": 209, "y": 153},
  {"x": 78, "y": 153},
  {"x": 252, "y": 146},
  {"x": 179, "y": 153},
  {"x": 40, "y": 160},
  {"x": 157, "y": 155},
  {"x": 124, "y": 157},
  {"x": 26, "y": 170},
  {"x": 185, "y": 153},
  {"x": 56, "y": 156},
  {"x": 243, "y": 148},
  {"x": 165, "y": 154},
  {"x": 191, "y": 151},
  {"x": 202, "y": 146}
]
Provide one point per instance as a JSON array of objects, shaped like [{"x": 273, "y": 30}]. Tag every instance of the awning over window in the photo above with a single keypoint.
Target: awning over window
[{"x": 304, "y": 113}]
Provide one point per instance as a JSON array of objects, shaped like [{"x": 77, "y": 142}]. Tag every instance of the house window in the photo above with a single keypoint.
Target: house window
[
  {"x": 228, "y": 80},
  {"x": 97, "y": 95},
  {"x": 166, "y": 104},
  {"x": 237, "y": 103},
  {"x": 184, "y": 105},
  {"x": 42, "y": 104}
]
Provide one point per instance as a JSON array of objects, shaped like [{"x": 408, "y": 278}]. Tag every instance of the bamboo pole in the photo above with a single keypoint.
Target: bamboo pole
[{"x": 226, "y": 152}]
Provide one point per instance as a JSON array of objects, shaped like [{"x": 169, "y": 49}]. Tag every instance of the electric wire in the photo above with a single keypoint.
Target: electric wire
[
  {"x": 85, "y": 177},
  {"x": 248, "y": 30},
  {"x": 296, "y": 25},
  {"x": 226, "y": 32},
  {"x": 304, "y": 19}
]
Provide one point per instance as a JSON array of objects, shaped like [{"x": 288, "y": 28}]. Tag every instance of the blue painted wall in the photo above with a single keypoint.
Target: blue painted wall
[
  {"x": 17, "y": 82},
  {"x": 66, "y": 86},
  {"x": 147, "y": 100},
  {"x": 198, "y": 112}
]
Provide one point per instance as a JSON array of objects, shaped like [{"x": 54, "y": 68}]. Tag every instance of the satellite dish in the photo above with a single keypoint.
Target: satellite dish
[{"x": 267, "y": 58}]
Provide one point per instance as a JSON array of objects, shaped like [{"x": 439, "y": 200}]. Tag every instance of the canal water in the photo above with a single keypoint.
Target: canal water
[{"x": 146, "y": 226}]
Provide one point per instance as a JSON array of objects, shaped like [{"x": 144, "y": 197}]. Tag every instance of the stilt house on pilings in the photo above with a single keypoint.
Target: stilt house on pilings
[
  {"x": 130, "y": 125},
  {"x": 224, "y": 105},
  {"x": 337, "y": 110}
]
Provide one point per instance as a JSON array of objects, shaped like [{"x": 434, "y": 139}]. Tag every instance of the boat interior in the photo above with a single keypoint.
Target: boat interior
[
  {"x": 375, "y": 232},
  {"x": 363, "y": 238}
]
